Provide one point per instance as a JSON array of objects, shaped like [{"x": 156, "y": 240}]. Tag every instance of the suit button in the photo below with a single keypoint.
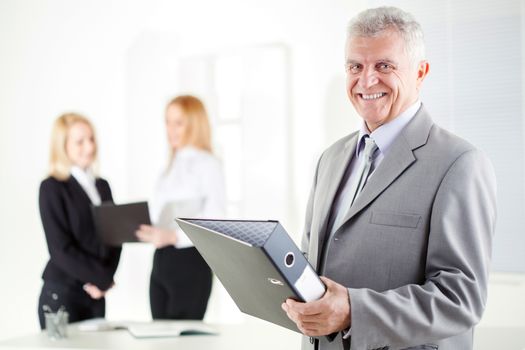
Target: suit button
[{"x": 336, "y": 238}]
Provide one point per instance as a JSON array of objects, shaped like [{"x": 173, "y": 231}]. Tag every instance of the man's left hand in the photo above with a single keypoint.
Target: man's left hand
[{"x": 321, "y": 317}]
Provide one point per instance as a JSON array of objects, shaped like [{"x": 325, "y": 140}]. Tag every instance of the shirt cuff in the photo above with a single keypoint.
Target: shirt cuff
[{"x": 347, "y": 333}]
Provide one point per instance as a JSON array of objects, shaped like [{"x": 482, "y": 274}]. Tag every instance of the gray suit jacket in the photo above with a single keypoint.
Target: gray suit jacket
[{"x": 414, "y": 249}]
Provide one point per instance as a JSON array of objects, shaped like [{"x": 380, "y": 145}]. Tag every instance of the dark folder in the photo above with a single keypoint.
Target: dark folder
[
  {"x": 116, "y": 224},
  {"x": 258, "y": 264}
]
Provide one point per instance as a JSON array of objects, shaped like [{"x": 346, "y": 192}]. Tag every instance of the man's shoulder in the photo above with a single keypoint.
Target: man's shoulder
[
  {"x": 448, "y": 143},
  {"x": 422, "y": 132}
]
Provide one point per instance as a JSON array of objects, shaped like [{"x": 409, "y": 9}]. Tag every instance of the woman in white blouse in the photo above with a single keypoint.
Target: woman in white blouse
[
  {"x": 191, "y": 186},
  {"x": 80, "y": 268}
]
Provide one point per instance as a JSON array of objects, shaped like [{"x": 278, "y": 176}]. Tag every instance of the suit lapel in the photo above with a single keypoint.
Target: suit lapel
[
  {"x": 399, "y": 158},
  {"x": 328, "y": 191}
]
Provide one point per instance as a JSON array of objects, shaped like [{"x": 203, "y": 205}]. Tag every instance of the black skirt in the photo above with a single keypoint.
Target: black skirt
[{"x": 180, "y": 284}]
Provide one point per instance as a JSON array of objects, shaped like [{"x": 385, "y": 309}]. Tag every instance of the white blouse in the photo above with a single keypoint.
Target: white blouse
[
  {"x": 193, "y": 186},
  {"x": 86, "y": 179}
]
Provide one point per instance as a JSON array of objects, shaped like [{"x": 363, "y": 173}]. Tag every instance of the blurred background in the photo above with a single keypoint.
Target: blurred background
[{"x": 271, "y": 74}]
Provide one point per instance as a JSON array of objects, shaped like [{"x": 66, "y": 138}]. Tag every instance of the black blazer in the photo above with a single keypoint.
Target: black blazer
[{"x": 77, "y": 256}]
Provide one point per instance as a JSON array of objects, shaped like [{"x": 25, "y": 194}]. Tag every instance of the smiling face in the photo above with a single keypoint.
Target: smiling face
[
  {"x": 80, "y": 145},
  {"x": 381, "y": 80}
]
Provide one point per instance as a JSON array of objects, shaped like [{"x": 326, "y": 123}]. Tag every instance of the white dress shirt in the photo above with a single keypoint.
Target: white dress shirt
[
  {"x": 193, "y": 186},
  {"x": 86, "y": 179}
]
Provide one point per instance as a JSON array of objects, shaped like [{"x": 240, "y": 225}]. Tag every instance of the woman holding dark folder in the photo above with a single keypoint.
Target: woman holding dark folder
[
  {"x": 80, "y": 268},
  {"x": 191, "y": 186}
]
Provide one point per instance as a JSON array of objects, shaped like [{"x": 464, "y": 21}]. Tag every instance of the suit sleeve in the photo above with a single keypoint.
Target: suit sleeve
[
  {"x": 64, "y": 250},
  {"x": 305, "y": 242},
  {"x": 310, "y": 250},
  {"x": 453, "y": 296}
]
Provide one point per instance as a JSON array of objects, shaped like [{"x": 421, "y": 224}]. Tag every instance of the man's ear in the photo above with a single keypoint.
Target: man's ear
[{"x": 422, "y": 71}]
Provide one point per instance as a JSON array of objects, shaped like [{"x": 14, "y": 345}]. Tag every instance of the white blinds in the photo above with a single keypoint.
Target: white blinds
[{"x": 474, "y": 89}]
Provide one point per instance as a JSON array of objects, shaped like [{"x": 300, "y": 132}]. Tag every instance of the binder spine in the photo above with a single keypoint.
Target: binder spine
[{"x": 293, "y": 266}]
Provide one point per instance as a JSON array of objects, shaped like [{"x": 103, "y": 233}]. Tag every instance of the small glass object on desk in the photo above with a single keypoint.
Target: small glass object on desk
[{"x": 56, "y": 322}]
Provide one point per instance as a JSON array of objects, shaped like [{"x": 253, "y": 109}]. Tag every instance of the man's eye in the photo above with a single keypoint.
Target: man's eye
[
  {"x": 384, "y": 67},
  {"x": 353, "y": 68}
]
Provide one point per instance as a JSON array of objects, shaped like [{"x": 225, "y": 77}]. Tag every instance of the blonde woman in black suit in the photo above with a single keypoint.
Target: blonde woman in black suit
[{"x": 80, "y": 268}]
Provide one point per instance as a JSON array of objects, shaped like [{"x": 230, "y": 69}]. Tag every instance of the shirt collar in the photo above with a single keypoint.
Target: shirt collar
[
  {"x": 82, "y": 176},
  {"x": 387, "y": 133}
]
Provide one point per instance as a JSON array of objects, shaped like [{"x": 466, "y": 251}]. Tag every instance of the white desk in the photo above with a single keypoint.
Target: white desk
[{"x": 254, "y": 335}]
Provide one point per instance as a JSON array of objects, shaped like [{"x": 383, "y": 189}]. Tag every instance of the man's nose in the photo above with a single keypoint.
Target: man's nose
[{"x": 368, "y": 78}]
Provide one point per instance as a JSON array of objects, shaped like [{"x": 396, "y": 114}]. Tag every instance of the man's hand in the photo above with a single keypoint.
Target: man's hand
[
  {"x": 159, "y": 237},
  {"x": 325, "y": 316}
]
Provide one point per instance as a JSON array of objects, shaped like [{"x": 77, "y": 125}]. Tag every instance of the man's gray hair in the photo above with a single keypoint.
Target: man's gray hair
[{"x": 373, "y": 22}]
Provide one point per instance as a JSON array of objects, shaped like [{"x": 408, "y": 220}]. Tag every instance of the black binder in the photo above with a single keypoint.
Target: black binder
[
  {"x": 258, "y": 264},
  {"x": 116, "y": 224}
]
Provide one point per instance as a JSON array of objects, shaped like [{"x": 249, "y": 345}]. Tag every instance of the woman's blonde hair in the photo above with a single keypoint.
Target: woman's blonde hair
[
  {"x": 198, "y": 131},
  {"x": 59, "y": 162}
]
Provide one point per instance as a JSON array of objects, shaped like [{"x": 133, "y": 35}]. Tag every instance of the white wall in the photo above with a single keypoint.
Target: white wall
[{"x": 58, "y": 56}]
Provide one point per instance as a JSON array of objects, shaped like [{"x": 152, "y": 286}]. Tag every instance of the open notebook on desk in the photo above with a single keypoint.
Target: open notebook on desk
[
  {"x": 155, "y": 329},
  {"x": 170, "y": 329}
]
